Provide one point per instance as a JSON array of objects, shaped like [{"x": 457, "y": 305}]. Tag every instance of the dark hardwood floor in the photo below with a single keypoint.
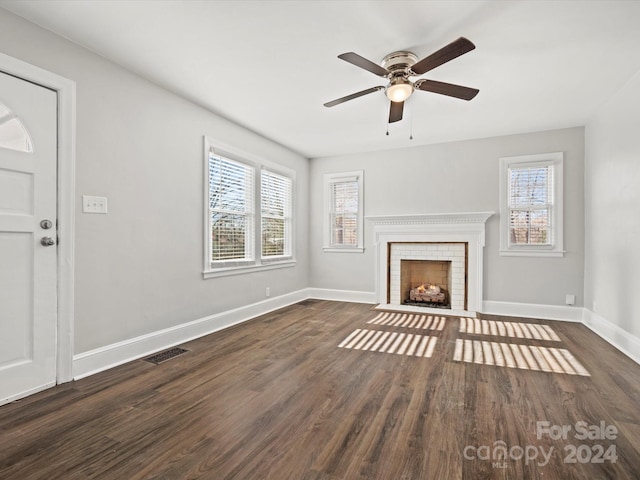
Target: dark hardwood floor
[{"x": 277, "y": 398}]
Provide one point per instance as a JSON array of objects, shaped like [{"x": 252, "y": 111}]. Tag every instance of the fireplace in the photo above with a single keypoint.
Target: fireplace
[{"x": 457, "y": 238}]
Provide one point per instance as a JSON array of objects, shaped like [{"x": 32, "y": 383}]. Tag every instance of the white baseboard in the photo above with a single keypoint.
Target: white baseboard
[
  {"x": 532, "y": 310},
  {"x": 109, "y": 356},
  {"x": 103, "y": 358},
  {"x": 613, "y": 334},
  {"x": 621, "y": 339},
  {"x": 342, "y": 295}
]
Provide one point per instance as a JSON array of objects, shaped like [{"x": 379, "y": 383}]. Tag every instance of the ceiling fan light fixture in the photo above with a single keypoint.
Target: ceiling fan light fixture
[{"x": 399, "y": 90}]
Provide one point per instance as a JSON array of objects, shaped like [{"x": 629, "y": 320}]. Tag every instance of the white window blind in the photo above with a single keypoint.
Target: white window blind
[
  {"x": 344, "y": 210},
  {"x": 275, "y": 200},
  {"x": 231, "y": 206},
  {"x": 531, "y": 205}
]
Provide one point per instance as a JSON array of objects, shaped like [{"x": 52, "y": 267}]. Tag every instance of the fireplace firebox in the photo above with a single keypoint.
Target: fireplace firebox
[{"x": 425, "y": 283}]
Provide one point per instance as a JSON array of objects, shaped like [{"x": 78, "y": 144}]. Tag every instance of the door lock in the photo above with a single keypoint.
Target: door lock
[
  {"x": 47, "y": 241},
  {"x": 46, "y": 224}
]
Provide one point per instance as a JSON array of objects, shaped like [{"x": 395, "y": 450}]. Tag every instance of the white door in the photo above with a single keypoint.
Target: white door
[{"x": 28, "y": 275}]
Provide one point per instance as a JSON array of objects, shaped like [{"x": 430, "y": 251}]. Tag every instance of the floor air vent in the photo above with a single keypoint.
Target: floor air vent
[{"x": 158, "y": 358}]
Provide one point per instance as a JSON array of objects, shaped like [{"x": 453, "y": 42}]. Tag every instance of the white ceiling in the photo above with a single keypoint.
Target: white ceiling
[{"x": 270, "y": 65}]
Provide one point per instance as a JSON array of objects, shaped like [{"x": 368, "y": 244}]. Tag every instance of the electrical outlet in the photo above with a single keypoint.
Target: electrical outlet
[
  {"x": 570, "y": 299},
  {"x": 267, "y": 292},
  {"x": 94, "y": 204}
]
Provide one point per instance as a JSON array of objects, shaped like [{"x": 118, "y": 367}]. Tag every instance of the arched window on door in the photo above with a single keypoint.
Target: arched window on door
[{"x": 13, "y": 134}]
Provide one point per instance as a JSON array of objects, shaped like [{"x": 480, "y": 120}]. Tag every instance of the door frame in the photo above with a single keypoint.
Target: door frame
[{"x": 66, "y": 156}]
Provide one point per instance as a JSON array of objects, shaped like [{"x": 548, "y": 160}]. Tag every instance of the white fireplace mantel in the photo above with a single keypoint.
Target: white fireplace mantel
[
  {"x": 466, "y": 228},
  {"x": 431, "y": 218}
]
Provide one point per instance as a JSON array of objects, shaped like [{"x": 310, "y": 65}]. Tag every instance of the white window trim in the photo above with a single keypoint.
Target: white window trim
[
  {"x": 330, "y": 178},
  {"x": 556, "y": 249},
  {"x": 238, "y": 267}
]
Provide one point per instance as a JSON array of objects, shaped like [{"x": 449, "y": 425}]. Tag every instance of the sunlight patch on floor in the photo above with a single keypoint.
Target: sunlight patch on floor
[
  {"x": 532, "y": 331},
  {"x": 390, "y": 342},
  {"x": 525, "y": 357},
  {"x": 409, "y": 320}
]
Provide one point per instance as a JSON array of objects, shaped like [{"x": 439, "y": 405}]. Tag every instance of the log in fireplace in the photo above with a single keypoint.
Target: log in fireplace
[{"x": 428, "y": 293}]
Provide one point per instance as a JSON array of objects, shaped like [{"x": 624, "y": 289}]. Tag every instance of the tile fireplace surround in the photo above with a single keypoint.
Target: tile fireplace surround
[
  {"x": 429, "y": 229},
  {"x": 452, "y": 252}
]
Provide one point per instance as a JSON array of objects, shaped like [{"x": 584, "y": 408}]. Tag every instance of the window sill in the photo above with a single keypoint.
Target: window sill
[
  {"x": 228, "y": 271},
  {"x": 343, "y": 250},
  {"x": 531, "y": 253}
]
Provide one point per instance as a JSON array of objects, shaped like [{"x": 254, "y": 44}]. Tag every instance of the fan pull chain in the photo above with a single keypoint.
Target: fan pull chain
[{"x": 411, "y": 123}]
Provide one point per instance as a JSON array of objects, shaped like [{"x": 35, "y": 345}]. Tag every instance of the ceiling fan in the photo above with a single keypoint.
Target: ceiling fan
[{"x": 398, "y": 67}]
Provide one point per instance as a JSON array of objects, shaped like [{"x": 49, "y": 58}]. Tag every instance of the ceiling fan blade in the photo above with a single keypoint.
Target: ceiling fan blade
[
  {"x": 362, "y": 62},
  {"x": 395, "y": 111},
  {"x": 352, "y": 96},
  {"x": 453, "y": 50},
  {"x": 457, "y": 91}
]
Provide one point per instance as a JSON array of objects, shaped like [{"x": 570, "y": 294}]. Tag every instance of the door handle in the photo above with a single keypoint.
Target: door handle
[{"x": 47, "y": 241}]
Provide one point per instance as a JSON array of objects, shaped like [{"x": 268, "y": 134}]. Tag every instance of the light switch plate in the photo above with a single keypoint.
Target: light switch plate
[{"x": 92, "y": 204}]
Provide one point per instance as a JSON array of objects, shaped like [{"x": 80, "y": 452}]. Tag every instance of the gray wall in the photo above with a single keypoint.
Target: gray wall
[
  {"x": 458, "y": 177},
  {"x": 612, "y": 183},
  {"x": 138, "y": 268}
]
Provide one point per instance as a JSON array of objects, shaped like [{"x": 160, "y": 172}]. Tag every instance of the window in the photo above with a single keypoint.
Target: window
[
  {"x": 531, "y": 205},
  {"x": 343, "y": 212},
  {"x": 248, "y": 217},
  {"x": 275, "y": 193},
  {"x": 13, "y": 135},
  {"x": 231, "y": 205}
]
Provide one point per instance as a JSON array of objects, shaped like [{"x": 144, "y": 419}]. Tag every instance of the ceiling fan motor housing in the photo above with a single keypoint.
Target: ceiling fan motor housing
[{"x": 399, "y": 62}]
